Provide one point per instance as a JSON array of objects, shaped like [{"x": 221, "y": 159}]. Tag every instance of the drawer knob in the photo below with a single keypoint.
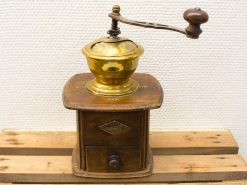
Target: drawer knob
[{"x": 114, "y": 161}]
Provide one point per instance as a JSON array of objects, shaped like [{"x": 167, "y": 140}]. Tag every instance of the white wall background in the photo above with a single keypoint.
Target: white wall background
[{"x": 205, "y": 80}]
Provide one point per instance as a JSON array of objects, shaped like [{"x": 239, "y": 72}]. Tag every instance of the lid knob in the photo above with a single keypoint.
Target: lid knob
[
  {"x": 116, "y": 9},
  {"x": 115, "y": 31}
]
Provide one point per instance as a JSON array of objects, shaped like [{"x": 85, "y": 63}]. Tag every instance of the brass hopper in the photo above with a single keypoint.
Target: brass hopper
[{"x": 112, "y": 60}]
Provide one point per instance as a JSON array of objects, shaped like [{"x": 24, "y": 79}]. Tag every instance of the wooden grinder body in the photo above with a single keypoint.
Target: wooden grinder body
[{"x": 112, "y": 132}]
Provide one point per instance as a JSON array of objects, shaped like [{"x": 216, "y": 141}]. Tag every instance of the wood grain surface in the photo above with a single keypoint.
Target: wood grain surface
[
  {"x": 237, "y": 182},
  {"x": 52, "y": 169},
  {"x": 175, "y": 167},
  {"x": 77, "y": 96},
  {"x": 170, "y": 142}
]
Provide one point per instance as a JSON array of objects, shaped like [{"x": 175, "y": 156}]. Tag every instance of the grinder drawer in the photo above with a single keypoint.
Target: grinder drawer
[{"x": 113, "y": 159}]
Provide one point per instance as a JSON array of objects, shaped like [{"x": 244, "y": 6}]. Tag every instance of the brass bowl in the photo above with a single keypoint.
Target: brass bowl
[{"x": 112, "y": 61}]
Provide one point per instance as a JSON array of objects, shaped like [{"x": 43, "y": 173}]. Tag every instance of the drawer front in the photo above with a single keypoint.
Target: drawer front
[
  {"x": 114, "y": 128},
  {"x": 107, "y": 159}
]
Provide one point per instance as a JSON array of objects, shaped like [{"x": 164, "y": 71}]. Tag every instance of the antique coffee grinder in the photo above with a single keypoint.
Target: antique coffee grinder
[{"x": 113, "y": 104}]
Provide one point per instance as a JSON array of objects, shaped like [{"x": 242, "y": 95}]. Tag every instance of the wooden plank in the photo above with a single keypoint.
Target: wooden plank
[
  {"x": 170, "y": 142},
  {"x": 179, "y": 168},
  {"x": 16, "y": 142},
  {"x": 193, "y": 183},
  {"x": 193, "y": 142}
]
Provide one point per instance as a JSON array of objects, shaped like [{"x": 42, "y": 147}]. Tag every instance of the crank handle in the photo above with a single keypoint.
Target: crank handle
[{"x": 194, "y": 16}]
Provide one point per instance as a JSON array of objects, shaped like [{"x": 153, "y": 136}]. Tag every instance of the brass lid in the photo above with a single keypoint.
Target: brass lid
[{"x": 112, "y": 48}]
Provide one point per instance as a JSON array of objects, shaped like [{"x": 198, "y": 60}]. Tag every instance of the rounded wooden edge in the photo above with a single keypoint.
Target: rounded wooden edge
[
  {"x": 135, "y": 174},
  {"x": 108, "y": 107}
]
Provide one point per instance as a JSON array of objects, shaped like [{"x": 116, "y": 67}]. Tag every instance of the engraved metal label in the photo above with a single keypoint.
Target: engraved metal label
[{"x": 114, "y": 127}]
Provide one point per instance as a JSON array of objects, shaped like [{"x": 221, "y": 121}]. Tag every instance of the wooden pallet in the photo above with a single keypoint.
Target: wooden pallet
[{"x": 179, "y": 156}]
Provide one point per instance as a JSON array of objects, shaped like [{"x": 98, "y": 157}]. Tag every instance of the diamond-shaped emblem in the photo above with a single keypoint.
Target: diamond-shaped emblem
[{"x": 114, "y": 127}]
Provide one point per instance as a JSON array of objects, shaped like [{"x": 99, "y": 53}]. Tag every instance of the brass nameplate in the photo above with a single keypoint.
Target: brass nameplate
[{"x": 114, "y": 127}]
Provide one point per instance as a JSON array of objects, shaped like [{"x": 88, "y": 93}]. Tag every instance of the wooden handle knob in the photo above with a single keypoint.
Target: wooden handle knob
[{"x": 195, "y": 17}]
